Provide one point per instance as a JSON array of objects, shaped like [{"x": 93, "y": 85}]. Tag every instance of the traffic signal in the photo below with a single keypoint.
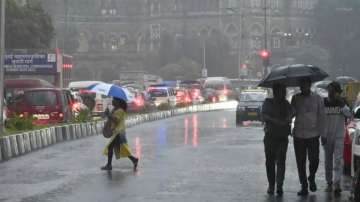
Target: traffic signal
[{"x": 265, "y": 56}]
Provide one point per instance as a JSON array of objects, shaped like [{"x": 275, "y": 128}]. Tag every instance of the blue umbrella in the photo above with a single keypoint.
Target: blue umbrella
[{"x": 111, "y": 90}]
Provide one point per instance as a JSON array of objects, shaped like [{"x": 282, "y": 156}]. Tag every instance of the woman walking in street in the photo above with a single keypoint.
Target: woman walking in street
[
  {"x": 118, "y": 142},
  {"x": 277, "y": 113}
]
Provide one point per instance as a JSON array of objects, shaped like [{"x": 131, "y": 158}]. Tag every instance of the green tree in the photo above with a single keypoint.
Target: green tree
[
  {"x": 28, "y": 26},
  {"x": 184, "y": 69}
]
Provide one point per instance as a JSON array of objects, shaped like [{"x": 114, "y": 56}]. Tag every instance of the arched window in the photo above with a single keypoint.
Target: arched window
[
  {"x": 123, "y": 39},
  {"x": 275, "y": 38},
  {"x": 114, "y": 42},
  {"x": 155, "y": 8},
  {"x": 256, "y": 37},
  {"x": 231, "y": 30},
  {"x": 83, "y": 42}
]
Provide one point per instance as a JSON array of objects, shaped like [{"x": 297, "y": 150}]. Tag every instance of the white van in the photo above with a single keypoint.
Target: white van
[
  {"x": 95, "y": 101},
  {"x": 163, "y": 95}
]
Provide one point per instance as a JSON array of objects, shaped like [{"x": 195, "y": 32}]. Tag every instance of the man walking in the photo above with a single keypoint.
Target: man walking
[
  {"x": 336, "y": 112},
  {"x": 277, "y": 114},
  {"x": 309, "y": 126}
]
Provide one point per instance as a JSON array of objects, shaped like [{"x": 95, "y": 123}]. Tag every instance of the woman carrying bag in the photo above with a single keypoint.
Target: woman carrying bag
[{"x": 118, "y": 142}]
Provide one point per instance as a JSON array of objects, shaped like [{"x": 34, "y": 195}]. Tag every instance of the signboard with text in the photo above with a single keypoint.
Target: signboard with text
[{"x": 30, "y": 64}]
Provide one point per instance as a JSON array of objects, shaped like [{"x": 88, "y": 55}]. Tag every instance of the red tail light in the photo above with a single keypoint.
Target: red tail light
[
  {"x": 75, "y": 106},
  {"x": 139, "y": 102}
]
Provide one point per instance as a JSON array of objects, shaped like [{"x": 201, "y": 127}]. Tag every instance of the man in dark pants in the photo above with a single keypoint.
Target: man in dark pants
[
  {"x": 277, "y": 114},
  {"x": 309, "y": 126}
]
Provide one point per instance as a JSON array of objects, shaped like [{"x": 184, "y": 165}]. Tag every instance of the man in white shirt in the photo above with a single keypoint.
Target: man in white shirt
[{"x": 309, "y": 126}]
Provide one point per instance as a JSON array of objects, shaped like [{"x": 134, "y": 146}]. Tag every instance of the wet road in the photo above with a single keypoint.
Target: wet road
[{"x": 198, "y": 157}]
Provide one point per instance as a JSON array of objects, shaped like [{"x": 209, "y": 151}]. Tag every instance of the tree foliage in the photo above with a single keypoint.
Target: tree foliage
[
  {"x": 338, "y": 31},
  {"x": 184, "y": 69},
  {"x": 27, "y": 26}
]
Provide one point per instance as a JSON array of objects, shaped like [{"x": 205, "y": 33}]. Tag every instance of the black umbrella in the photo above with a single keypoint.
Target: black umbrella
[{"x": 290, "y": 75}]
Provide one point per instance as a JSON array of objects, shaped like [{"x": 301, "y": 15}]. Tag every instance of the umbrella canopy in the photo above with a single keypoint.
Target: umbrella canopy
[
  {"x": 290, "y": 75},
  {"x": 322, "y": 84},
  {"x": 111, "y": 90},
  {"x": 345, "y": 79}
]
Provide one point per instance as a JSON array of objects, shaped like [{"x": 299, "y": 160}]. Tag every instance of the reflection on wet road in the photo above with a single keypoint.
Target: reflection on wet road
[{"x": 197, "y": 157}]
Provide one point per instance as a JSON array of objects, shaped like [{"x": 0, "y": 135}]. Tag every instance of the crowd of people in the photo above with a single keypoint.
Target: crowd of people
[{"x": 317, "y": 120}]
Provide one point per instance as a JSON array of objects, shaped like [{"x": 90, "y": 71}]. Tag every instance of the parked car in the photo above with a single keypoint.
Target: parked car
[
  {"x": 96, "y": 102},
  {"x": 249, "y": 107},
  {"x": 47, "y": 105},
  {"x": 210, "y": 95},
  {"x": 163, "y": 95},
  {"x": 195, "y": 89},
  {"x": 75, "y": 102},
  {"x": 355, "y": 157},
  {"x": 222, "y": 87},
  {"x": 183, "y": 97},
  {"x": 13, "y": 87},
  {"x": 141, "y": 101}
]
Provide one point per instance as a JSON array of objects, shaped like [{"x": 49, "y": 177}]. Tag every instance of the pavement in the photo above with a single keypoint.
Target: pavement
[{"x": 196, "y": 157}]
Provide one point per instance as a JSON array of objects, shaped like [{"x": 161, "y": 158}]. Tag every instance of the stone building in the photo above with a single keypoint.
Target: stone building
[{"x": 119, "y": 33}]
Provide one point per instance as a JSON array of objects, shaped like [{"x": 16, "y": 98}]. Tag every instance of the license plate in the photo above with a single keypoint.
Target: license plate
[
  {"x": 252, "y": 113},
  {"x": 41, "y": 116}
]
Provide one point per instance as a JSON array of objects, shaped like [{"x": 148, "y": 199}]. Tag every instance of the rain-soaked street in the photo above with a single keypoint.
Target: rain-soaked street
[{"x": 197, "y": 157}]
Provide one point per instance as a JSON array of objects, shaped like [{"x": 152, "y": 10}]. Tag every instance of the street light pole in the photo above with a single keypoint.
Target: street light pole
[
  {"x": 2, "y": 61},
  {"x": 265, "y": 35},
  {"x": 240, "y": 35}
]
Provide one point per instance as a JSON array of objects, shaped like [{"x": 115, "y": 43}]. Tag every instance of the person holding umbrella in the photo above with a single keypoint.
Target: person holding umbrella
[
  {"x": 277, "y": 114},
  {"x": 118, "y": 142},
  {"x": 309, "y": 117},
  {"x": 309, "y": 126}
]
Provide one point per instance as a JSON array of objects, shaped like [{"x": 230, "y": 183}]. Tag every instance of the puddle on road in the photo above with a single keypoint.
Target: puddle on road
[{"x": 188, "y": 130}]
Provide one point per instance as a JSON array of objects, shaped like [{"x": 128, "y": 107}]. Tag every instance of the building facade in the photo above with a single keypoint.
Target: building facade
[{"x": 118, "y": 33}]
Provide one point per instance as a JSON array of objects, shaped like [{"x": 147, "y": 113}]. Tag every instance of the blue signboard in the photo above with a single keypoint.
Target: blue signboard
[{"x": 30, "y": 64}]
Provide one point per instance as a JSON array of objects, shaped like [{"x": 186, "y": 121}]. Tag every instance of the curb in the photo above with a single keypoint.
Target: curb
[{"x": 23, "y": 143}]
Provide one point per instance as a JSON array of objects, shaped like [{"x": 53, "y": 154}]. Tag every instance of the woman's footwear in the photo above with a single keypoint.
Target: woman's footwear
[
  {"x": 135, "y": 162},
  {"x": 106, "y": 167},
  {"x": 279, "y": 191}
]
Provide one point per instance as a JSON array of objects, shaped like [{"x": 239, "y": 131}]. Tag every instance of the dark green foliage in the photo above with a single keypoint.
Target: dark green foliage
[
  {"x": 28, "y": 26},
  {"x": 164, "y": 106},
  {"x": 18, "y": 123},
  {"x": 83, "y": 116}
]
